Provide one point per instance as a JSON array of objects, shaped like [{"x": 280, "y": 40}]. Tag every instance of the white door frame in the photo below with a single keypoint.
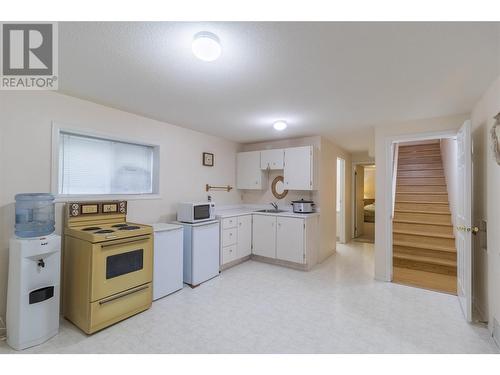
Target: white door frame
[
  {"x": 342, "y": 225},
  {"x": 389, "y": 156},
  {"x": 353, "y": 193}
]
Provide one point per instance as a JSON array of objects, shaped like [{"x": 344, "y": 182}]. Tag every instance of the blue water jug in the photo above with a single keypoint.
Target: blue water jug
[{"x": 34, "y": 215}]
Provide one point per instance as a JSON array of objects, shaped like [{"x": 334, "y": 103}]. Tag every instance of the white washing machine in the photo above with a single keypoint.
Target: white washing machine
[{"x": 33, "y": 290}]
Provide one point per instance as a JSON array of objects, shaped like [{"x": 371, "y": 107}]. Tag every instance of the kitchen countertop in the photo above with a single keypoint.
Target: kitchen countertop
[{"x": 247, "y": 210}]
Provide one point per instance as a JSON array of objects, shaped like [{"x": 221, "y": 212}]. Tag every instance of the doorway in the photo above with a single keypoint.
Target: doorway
[
  {"x": 364, "y": 202},
  {"x": 340, "y": 198}
]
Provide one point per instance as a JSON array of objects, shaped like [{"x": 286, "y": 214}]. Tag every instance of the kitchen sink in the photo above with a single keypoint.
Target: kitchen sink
[{"x": 271, "y": 211}]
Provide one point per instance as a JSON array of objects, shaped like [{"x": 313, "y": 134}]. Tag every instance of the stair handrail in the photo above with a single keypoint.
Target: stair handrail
[{"x": 394, "y": 175}]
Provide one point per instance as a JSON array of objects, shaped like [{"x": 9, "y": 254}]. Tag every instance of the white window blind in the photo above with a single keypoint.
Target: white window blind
[{"x": 96, "y": 166}]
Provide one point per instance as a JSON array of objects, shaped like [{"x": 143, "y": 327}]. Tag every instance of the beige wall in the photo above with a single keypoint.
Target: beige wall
[
  {"x": 325, "y": 197},
  {"x": 404, "y": 131},
  {"x": 25, "y": 158},
  {"x": 486, "y": 207},
  {"x": 369, "y": 188}
]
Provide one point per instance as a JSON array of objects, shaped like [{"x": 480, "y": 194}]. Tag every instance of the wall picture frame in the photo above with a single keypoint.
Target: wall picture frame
[{"x": 208, "y": 159}]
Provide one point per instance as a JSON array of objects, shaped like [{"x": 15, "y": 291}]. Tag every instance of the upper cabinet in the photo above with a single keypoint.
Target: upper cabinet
[
  {"x": 300, "y": 170},
  {"x": 299, "y": 167},
  {"x": 248, "y": 172},
  {"x": 271, "y": 159}
]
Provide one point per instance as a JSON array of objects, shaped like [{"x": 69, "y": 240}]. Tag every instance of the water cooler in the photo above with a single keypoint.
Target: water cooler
[
  {"x": 33, "y": 290},
  {"x": 34, "y": 273}
]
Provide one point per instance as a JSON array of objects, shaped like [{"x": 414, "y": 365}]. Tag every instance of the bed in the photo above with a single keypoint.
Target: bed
[{"x": 369, "y": 210}]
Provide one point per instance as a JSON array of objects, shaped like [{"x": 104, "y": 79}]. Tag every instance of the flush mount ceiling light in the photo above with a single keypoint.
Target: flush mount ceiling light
[
  {"x": 206, "y": 46},
  {"x": 280, "y": 125}
]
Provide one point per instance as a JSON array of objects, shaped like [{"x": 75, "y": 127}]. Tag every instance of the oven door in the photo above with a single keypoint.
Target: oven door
[{"x": 120, "y": 265}]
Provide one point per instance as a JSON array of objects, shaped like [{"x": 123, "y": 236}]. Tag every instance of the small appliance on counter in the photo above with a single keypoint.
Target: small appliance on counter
[
  {"x": 34, "y": 273},
  {"x": 195, "y": 212},
  {"x": 201, "y": 252},
  {"x": 168, "y": 259},
  {"x": 108, "y": 265},
  {"x": 303, "y": 207}
]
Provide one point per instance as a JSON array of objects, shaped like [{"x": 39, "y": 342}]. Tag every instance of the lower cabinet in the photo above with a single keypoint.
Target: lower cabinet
[
  {"x": 264, "y": 235},
  {"x": 236, "y": 238},
  {"x": 285, "y": 238},
  {"x": 290, "y": 239}
]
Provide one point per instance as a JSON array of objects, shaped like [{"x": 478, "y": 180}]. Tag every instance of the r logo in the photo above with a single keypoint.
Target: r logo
[{"x": 27, "y": 49}]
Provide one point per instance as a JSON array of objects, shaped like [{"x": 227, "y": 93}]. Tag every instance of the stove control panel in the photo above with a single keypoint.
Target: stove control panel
[{"x": 96, "y": 208}]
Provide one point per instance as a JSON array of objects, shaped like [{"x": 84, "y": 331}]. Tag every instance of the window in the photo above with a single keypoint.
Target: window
[{"x": 91, "y": 165}]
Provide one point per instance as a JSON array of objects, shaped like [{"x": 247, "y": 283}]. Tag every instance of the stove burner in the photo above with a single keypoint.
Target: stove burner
[
  {"x": 91, "y": 228},
  {"x": 130, "y": 227},
  {"x": 104, "y": 231},
  {"x": 119, "y": 225}
]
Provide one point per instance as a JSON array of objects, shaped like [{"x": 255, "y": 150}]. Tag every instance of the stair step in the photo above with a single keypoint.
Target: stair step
[
  {"x": 426, "y": 280},
  {"x": 428, "y": 181},
  {"x": 421, "y": 245},
  {"x": 420, "y": 159},
  {"x": 422, "y": 173},
  {"x": 425, "y": 252},
  {"x": 427, "y": 238},
  {"x": 422, "y": 222},
  {"x": 426, "y": 259},
  {"x": 423, "y": 212},
  {"x": 421, "y": 202},
  {"x": 415, "y": 232},
  {"x": 439, "y": 207},
  {"x": 419, "y": 153},
  {"x": 415, "y": 189},
  {"x": 427, "y": 228},
  {"x": 419, "y": 166},
  {"x": 422, "y": 197},
  {"x": 431, "y": 217}
]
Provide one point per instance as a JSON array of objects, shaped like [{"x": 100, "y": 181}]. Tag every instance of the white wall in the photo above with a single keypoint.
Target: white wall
[
  {"x": 383, "y": 133},
  {"x": 25, "y": 158},
  {"x": 486, "y": 183},
  {"x": 449, "y": 152}
]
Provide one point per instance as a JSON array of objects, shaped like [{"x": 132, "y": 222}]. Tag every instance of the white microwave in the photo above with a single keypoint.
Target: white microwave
[{"x": 193, "y": 212}]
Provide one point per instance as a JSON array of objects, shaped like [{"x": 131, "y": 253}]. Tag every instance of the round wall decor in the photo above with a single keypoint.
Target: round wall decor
[{"x": 278, "y": 188}]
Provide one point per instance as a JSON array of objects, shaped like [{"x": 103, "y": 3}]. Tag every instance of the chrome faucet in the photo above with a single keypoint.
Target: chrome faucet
[{"x": 275, "y": 205}]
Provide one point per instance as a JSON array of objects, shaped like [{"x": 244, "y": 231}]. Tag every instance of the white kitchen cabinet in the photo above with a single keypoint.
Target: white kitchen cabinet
[
  {"x": 264, "y": 235},
  {"x": 271, "y": 159},
  {"x": 290, "y": 239},
  {"x": 236, "y": 238},
  {"x": 248, "y": 172},
  {"x": 300, "y": 169},
  {"x": 244, "y": 242}
]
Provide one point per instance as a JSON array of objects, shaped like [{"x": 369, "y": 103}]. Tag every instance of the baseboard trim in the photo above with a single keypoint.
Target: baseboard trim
[
  {"x": 496, "y": 332},
  {"x": 283, "y": 263},
  {"x": 234, "y": 263}
]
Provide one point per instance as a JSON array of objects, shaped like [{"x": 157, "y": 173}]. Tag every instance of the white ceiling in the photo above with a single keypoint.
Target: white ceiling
[{"x": 331, "y": 79}]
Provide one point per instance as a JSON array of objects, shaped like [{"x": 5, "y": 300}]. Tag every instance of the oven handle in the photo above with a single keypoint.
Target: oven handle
[
  {"x": 123, "y": 294},
  {"x": 126, "y": 242}
]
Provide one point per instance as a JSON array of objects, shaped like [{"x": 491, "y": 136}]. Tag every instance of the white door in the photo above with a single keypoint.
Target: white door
[
  {"x": 248, "y": 172},
  {"x": 264, "y": 235},
  {"x": 206, "y": 257},
  {"x": 244, "y": 247},
  {"x": 298, "y": 168},
  {"x": 464, "y": 220},
  {"x": 290, "y": 239},
  {"x": 271, "y": 159}
]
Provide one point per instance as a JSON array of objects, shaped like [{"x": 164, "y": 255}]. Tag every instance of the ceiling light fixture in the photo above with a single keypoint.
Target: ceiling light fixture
[
  {"x": 206, "y": 46},
  {"x": 280, "y": 125}
]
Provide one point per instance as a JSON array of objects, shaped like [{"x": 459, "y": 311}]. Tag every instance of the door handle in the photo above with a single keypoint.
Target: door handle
[
  {"x": 463, "y": 228},
  {"x": 121, "y": 295}
]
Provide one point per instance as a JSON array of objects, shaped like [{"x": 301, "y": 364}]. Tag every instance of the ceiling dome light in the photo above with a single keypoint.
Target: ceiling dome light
[
  {"x": 280, "y": 125},
  {"x": 206, "y": 46}
]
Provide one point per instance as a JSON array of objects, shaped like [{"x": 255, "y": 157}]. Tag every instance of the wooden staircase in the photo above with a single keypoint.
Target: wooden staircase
[{"x": 424, "y": 253}]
